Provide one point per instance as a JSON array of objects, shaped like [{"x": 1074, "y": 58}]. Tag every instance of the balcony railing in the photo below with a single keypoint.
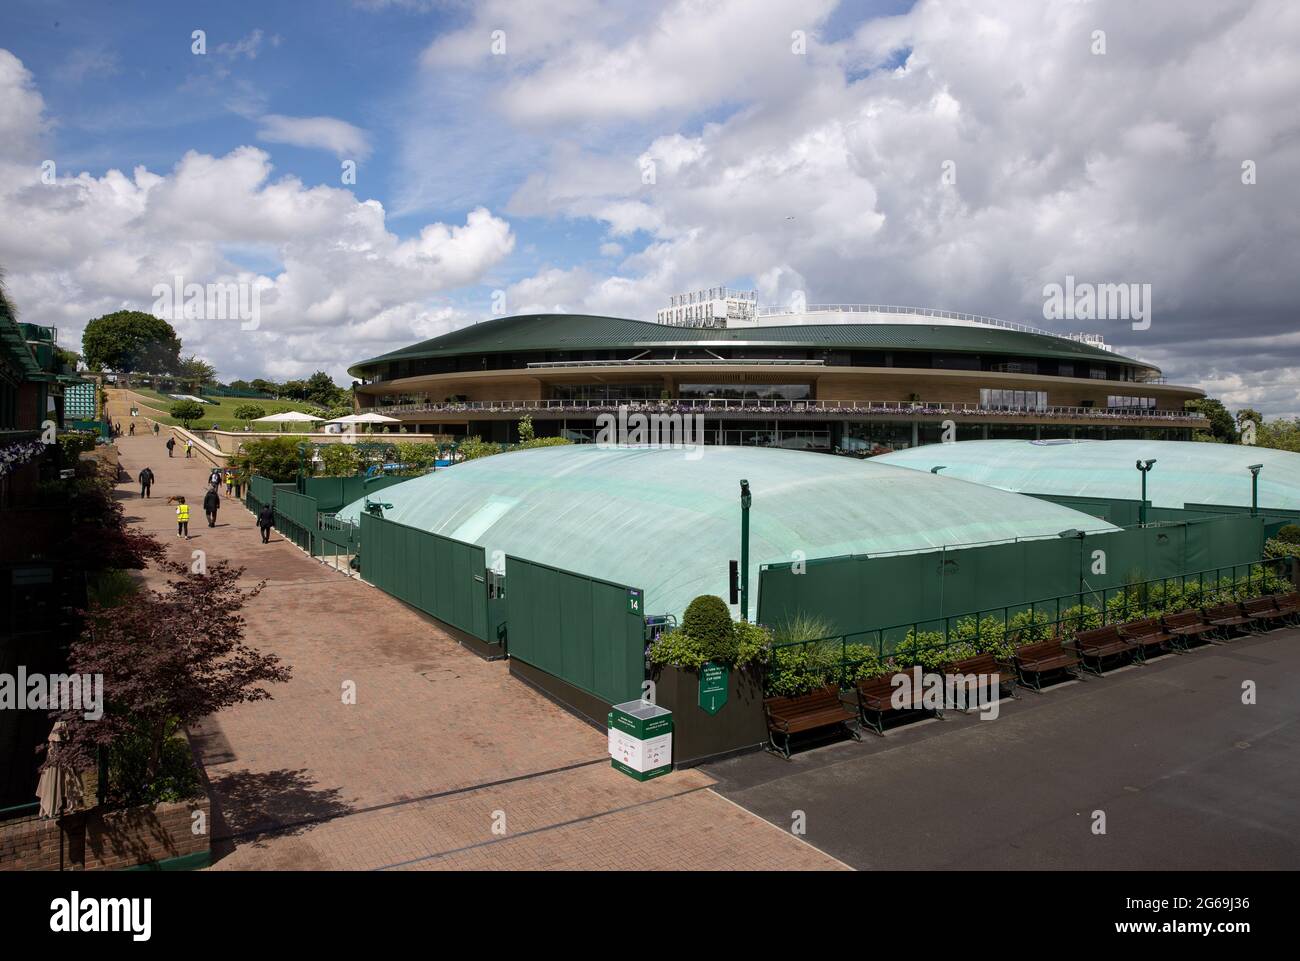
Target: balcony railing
[
  {"x": 661, "y": 362},
  {"x": 790, "y": 408}
]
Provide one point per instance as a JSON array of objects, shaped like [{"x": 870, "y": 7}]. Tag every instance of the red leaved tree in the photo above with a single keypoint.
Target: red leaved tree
[{"x": 167, "y": 657}]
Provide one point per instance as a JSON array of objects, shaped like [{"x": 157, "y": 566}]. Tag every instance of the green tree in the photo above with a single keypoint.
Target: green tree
[
  {"x": 266, "y": 386},
  {"x": 247, "y": 412},
  {"x": 187, "y": 411},
  {"x": 340, "y": 460},
  {"x": 1223, "y": 430},
  {"x": 274, "y": 457},
  {"x": 526, "y": 430},
  {"x": 320, "y": 389},
  {"x": 197, "y": 371},
  {"x": 127, "y": 341},
  {"x": 1279, "y": 434}
]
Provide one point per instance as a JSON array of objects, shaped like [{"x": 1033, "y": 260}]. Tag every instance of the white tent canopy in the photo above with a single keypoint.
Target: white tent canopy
[
  {"x": 287, "y": 416},
  {"x": 365, "y": 419}
]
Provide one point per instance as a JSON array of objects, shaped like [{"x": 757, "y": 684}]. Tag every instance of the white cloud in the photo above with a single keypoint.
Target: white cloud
[
  {"x": 344, "y": 285},
  {"x": 826, "y": 170},
  {"x": 322, "y": 133}
]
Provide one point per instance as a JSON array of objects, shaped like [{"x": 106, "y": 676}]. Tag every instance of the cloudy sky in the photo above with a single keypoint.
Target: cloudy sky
[{"x": 598, "y": 156}]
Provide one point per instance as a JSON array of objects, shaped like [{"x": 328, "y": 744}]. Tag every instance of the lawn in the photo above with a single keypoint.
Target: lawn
[{"x": 222, "y": 413}]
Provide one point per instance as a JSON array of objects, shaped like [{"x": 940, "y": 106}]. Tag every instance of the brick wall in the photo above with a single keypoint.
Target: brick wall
[{"x": 105, "y": 841}]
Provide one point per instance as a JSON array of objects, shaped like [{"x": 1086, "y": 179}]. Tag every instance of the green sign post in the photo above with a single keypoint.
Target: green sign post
[
  {"x": 634, "y": 605},
  {"x": 713, "y": 687}
]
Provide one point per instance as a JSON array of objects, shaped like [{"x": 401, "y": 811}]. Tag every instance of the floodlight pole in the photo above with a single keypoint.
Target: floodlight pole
[
  {"x": 1080, "y": 535},
  {"x": 745, "y": 500},
  {"x": 1144, "y": 468},
  {"x": 1254, "y": 488}
]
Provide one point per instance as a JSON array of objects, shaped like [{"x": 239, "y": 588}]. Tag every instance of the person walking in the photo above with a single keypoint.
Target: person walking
[
  {"x": 155, "y": 429},
  {"x": 182, "y": 518},
  {"x": 265, "y": 521},
  {"x": 211, "y": 504},
  {"x": 131, "y": 430},
  {"x": 189, "y": 448},
  {"x": 214, "y": 478},
  {"x": 146, "y": 482},
  {"x": 171, "y": 445}
]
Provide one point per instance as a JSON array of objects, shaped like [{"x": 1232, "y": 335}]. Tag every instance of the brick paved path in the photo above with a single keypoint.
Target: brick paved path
[{"x": 444, "y": 761}]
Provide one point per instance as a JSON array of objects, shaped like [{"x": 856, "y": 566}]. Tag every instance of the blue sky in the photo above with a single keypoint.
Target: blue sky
[{"x": 809, "y": 170}]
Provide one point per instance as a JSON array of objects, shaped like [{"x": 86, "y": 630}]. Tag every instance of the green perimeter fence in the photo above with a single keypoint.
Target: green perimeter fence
[
  {"x": 863, "y": 592},
  {"x": 797, "y": 666},
  {"x": 440, "y": 576},
  {"x": 583, "y": 630}
]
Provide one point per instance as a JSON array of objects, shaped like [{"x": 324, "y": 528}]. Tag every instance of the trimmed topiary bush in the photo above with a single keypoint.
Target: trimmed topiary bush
[{"x": 707, "y": 622}]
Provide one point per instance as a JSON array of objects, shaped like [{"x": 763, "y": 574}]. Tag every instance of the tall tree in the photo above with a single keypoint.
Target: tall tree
[
  {"x": 193, "y": 368},
  {"x": 127, "y": 341},
  {"x": 1223, "y": 429}
]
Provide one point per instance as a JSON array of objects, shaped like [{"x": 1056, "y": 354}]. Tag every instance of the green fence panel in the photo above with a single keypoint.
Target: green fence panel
[
  {"x": 854, "y": 594},
  {"x": 440, "y": 576},
  {"x": 1118, "y": 511},
  {"x": 334, "y": 493},
  {"x": 295, "y": 517},
  {"x": 261, "y": 491},
  {"x": 577, "y": 628}
]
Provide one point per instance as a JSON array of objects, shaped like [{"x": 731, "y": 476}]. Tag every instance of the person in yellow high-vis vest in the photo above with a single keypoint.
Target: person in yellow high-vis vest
[{"x": 182, "y": 518}]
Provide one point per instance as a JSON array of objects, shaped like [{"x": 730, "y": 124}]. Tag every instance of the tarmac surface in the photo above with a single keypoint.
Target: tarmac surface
[{"x": 1186, "y": 775}]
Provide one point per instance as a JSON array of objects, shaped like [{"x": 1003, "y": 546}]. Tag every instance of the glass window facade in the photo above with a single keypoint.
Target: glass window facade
[
  {"x": 994, "y": 398},
  {"x": 1120, "y": 400},
  {"x": 745, "y": 391}
]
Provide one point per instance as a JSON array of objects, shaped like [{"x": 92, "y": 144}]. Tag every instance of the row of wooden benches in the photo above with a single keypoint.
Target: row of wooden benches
[{"x": 1031, "y": 663}]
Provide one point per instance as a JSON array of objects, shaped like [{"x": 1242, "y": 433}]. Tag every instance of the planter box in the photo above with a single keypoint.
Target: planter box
[{"x": 738, "y": 726}]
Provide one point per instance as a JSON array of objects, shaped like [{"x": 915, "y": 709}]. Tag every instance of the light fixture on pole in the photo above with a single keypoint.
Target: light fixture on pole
[
  {"x": 745, "y": 500},
  {"x": 1144, "y": 467},
  {"x": 1254, "y": 488}
]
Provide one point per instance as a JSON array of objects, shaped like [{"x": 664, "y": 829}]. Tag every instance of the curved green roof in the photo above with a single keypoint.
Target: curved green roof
[
  {"x": 1186, "y": 472},
  {"x": 667, "y": 520},
  {"x": 584, "y": 332}
]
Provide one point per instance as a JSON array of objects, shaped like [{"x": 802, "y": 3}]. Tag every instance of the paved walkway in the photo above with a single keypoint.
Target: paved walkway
[{"x": 444, "y": 761}]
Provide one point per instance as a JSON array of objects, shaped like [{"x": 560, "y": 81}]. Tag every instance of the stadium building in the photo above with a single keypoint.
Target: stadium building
[{"x": 855, "y": 378}]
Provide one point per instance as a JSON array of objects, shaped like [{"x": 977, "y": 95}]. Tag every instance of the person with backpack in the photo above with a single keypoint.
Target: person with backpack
[
  {"x": 171, "y": 445},
  {"x": 214, "y": 478},
  {"x": 265, "y": 521},
  {"x": 155, "y": 429},
  {"x": 182, "y": 518},
  {"x": 146, "y": 482},
  {"x": 211, "y": 504}
]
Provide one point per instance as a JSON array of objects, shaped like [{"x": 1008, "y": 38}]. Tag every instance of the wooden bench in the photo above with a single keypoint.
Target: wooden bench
[
  {"x": 988, "y": 665},
  {"x": 1185, "y": 627},
  {"x": 1044, "y": 657},
  {"x": 1148, "y": 634},
  {"x": 1263, "y": 609},
  {"x": 1288, "y": 605},
  {"x": 876, "y": 699},
  {"x": 1100, "y": 643},
  {"x": 806, "y": 712},
  {"x": 1226, "y": 618}
]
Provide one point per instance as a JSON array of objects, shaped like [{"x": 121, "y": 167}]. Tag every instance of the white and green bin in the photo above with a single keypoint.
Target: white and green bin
[{"x": 641, "y": 739}]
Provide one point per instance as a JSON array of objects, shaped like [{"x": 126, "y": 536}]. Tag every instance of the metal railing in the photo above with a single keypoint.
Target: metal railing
[
  {"x": 777, "y": 310},
  {"x": 792, "y": 408},
  {"x": 1046, "y": 619},
  {"x": 661, "y": 362}
]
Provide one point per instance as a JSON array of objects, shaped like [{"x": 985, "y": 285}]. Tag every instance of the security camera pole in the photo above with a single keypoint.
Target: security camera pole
[{"x": 1144, "y": 467}]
